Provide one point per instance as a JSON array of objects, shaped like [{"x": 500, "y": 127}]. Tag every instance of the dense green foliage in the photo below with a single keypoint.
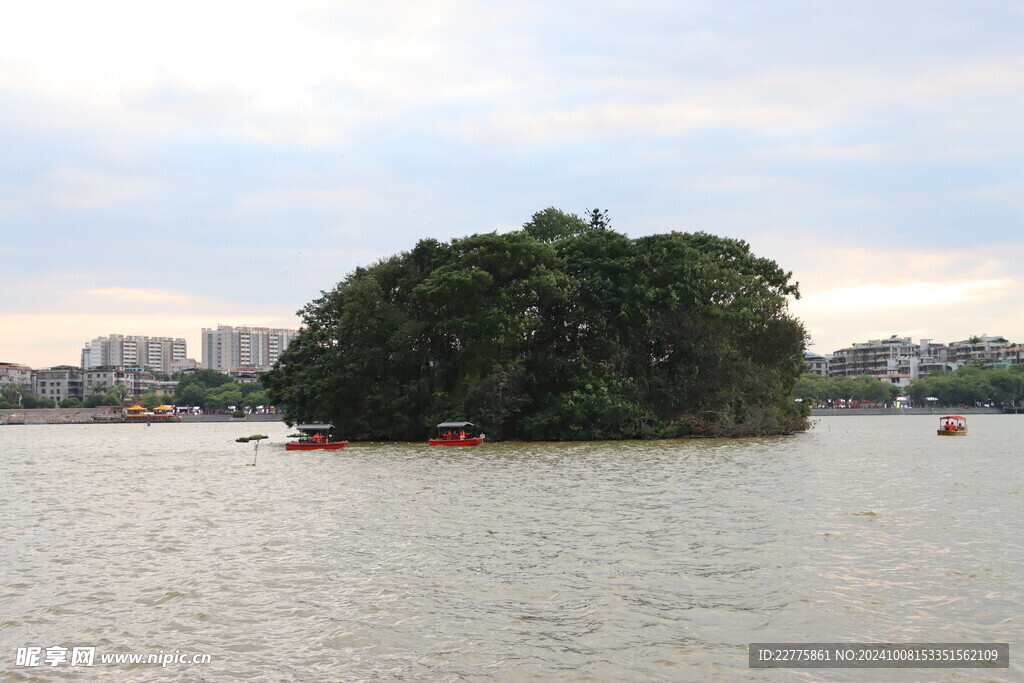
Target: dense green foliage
[
  {"x": 817, "y": 389},
  {"x": 209, "y": 389},
  {"x": 971, "y": 384},
  {"x": 562, "y": 330},
  {"x": 213, "y": 390},
  {"x": 16, "y": 396}
]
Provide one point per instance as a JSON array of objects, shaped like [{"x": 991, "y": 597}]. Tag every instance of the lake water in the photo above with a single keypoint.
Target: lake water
[{"x": 600, "y": 561}]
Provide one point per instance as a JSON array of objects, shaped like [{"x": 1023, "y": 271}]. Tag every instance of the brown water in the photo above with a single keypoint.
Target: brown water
[{"x": 585, "y": 561}]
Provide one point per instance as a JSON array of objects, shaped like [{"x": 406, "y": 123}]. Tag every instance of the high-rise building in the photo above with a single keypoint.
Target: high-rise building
[
  {"x": 234, "y": 348},
  {"x": 126, "y": 351}
]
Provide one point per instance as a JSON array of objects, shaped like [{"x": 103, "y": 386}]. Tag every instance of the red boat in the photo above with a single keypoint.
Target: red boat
[
  {"x": 952, "y": 425},
  {"x": 312, "y": 446},
  {"x": 457, "y": 434},
  {"x": 315, "y": 437}
]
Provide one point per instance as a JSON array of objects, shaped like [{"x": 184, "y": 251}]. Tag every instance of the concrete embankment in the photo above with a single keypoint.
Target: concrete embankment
[
  {"x": 228, "y": 418},
  {"x": 938, "y": 412},
  {"x": 42, "y": 416}
]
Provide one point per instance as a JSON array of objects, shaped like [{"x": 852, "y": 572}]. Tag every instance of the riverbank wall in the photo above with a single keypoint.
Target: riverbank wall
[
  {"x": 938, "y": 412},
  {"x": 42, "y": 416}
]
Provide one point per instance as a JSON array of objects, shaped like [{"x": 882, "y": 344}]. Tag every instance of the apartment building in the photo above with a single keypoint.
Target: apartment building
[
  {"x": 57, "y": 383},
  {"x": 15, "y": 373},
  {"x": 877, "y": 357},
  {"x": 101, "y": 380},
  {"x": 816, "y": 363},
  {"x": 184, "y": 365},
  {"x": 234, "y": 348},
  {"x": 1010, "y": 355},
  {"x": 118, "y": 350},
  {"x": 984, "y": 348},
  {"x": 899, "y": 360}
]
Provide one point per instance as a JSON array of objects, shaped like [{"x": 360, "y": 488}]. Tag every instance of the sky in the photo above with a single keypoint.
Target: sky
[{"x": 169, "y": 167}]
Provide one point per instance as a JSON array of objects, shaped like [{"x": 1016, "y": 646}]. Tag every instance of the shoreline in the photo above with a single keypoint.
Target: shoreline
[
  {"x": 42, "y": 416},
  {"x": 939, "y": 412},
  {"x": 45, "y": 416}
]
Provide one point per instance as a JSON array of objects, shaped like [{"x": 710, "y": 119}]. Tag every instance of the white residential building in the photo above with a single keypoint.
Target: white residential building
[
  {"x": 127, "y": 351},
  {"x": 234, "y": 348},
  {"x": 900, "y": 361},
  {"x": 878, "y": 357},
  {"x": 984, "y": 348}
]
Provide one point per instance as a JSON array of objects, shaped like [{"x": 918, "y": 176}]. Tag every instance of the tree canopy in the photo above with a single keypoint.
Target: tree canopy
[
  {"x": 817, "y": 389},
  {"x": 972, "y": 383},
  {"x": 212, "y": 389},
  {"x": 565, "y": 329}
]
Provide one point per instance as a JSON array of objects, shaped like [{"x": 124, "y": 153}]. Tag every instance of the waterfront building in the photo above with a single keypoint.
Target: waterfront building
[
  {"x": 816, "y": 363},
  {"x": 877, "y": 357},
  {"x": 900, "y": 361},
  {"x": 244, "y": 348},
  {"x": 244, "y": 376},
  {"x": 136, "y": 381},
  {"x": 184, "y": 365},
  {"x": 984, "y": 348},
  {"x": 1010, "y": 355},
  {"x": 119, "y": 350},
  {"x": 58, "y": 383},
  {"x": 166, "y": 388},
  {"x": 102, "y": 379},
  {"x": 15, "y": 373}
]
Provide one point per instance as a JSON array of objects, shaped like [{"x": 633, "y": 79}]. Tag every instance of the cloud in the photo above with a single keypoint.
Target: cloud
[
  {"x": 905, "y": 296},
  {"x": 662, "y": 118},
  {"x": 295, "y": 198},
  {"x": 172, "y": 95},
  {"x": 126, "y": 294},
  {"x": 254, "y": 153},
  {"x": 76, "y": 188},
  {"x": 899, "y": 285},
  {"x": 940, "y": 310}
]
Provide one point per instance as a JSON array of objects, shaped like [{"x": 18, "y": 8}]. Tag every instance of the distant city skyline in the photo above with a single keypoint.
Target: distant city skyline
[
  {"x": 195, "y": 351},
  {"x": 225, "y": 163}
]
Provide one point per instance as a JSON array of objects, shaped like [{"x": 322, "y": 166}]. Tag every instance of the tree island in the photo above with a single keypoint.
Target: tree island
[{"x": 563, "y": 330}]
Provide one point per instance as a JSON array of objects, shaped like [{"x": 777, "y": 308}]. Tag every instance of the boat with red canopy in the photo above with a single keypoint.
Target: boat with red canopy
[
  {"x": 953, "y": 425},
  {"x": 457, "y": 434},
  {"x": 315, "y": 437}
]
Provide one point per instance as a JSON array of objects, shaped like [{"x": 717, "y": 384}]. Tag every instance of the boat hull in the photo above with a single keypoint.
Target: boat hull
[
  {"x": 949, "y": 432},
  {"x": 475, "y": 441},
  {"x": 326, "y": 446}
]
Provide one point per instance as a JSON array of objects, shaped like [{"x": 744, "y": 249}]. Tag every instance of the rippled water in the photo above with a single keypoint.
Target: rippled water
[{"x": 511, "y": 561}]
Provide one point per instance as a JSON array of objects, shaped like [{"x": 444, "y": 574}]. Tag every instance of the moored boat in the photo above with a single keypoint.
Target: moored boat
[
  {"x": 457, "y": 434},
  {"x": 137, "y": 413},
  {"x": 315, "y": 437},
  {"x": 952, "y": 425}
]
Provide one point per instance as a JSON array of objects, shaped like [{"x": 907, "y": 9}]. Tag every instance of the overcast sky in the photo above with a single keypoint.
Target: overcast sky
[{"x": 170, "y": 167}]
